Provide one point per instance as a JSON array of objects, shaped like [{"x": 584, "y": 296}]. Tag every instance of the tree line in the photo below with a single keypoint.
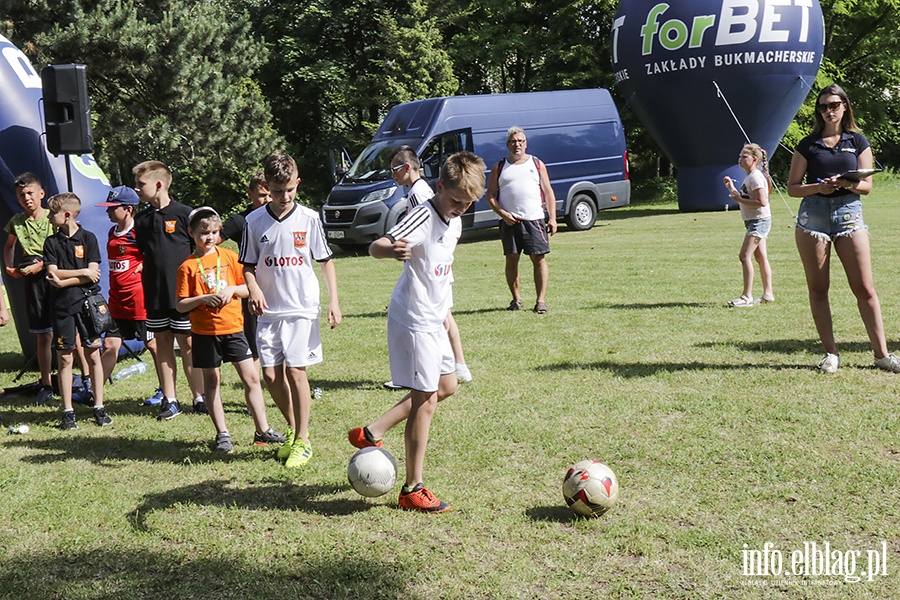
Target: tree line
[{"x": 212, "y": 86}]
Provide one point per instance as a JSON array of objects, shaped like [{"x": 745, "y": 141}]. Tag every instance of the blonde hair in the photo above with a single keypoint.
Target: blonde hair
[
  {"x": 156, "y": 170},
  {"x": 464, "y": 171},
  {"x": 65, "y": 201},
  {"x": 759, "y": 153},
  {"x": 209, "y": 222}
]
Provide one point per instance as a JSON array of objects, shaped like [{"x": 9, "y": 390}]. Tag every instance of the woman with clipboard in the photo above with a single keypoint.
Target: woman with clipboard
[{"x": 831, "y": 214}]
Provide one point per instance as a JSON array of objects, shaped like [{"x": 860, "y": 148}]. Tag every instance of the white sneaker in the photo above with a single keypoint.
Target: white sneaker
[
  {"x": 463, "y": 373},
  {"x": 888, "y": 363},
  {"x": 830, "y": 363}
]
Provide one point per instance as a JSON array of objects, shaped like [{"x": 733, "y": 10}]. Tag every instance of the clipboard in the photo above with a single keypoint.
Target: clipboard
[{"x": 857, "y": 174}]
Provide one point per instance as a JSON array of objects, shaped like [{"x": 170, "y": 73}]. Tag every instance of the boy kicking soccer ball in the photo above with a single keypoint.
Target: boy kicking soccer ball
[{"x": 418, "y": 345}]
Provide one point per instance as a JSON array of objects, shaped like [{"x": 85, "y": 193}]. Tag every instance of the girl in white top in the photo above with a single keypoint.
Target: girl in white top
[{"x": 753, "y": 198}]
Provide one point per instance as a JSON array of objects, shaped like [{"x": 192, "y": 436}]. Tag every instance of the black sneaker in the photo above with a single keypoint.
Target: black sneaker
[
  {"x": 223, "y": 443},
  {"x": 68, "y": 420},
  {"x": 200, "y": 407},
  {"x": 269, "y": 437},
  {"x": 44, "y": 396},
  {"x": 170, "y": 410},
  {"x": 100, "y": 416}
]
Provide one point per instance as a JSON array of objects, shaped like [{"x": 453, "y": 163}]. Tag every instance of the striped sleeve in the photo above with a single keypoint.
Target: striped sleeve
[{"x": 414, "y": 226}]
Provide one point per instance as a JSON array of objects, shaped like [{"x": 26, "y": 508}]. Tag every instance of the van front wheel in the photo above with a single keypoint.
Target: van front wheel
[{"x": 582, "y": 213}]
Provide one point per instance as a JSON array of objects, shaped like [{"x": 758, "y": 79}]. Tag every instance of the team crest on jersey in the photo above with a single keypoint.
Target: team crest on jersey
[
  {"x": 299, "y": 239},
  {"x": 79, "y": 251},
  {"x": 122, "y": 250},
  {"x": 170, "y": 226}
]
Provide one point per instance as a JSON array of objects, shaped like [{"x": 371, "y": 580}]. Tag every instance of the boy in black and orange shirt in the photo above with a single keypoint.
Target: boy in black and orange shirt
[{"x": 72, "y": 258}]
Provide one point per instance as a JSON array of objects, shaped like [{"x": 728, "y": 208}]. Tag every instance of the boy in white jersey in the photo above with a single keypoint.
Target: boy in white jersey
[
  {"x": 280, "y": 241},
  {"x": 418, "y": 345},
  {"x": 405, "y": 171}
]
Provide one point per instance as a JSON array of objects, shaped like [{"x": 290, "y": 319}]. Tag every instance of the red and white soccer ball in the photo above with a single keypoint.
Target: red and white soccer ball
[
  {"x": 590, "y": 488},
  {"x": 372, "y": 472}
]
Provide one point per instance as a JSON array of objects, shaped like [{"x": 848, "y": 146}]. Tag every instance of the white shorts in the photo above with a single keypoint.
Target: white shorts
[
  {"x": 418, "y": 358},
  {"x": 292, "y": 341}
]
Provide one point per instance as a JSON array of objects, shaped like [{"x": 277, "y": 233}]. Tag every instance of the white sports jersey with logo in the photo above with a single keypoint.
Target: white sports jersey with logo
[
  {"x": 283, "y": 251},
  {"x": 423, "y": 294}
]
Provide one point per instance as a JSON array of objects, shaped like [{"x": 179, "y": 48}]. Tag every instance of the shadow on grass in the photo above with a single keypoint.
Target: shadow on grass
[
  {"x": 140, "y": 573},
  {"x": 554, "y": 514},
  {"x": 107, "y": 451},
  {"x": 634, "y": 370},
  {"x": 787, "y": 346},
  {"x": 652, "y": 305},
  {"x": 272, "y": 495}
]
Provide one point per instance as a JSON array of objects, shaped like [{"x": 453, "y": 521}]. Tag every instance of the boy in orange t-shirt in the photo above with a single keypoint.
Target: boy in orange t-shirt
[{"x": 207, "y": 283}]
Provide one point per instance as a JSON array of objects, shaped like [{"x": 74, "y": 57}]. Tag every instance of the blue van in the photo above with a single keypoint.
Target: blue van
[{"x": 577, "y": 133}]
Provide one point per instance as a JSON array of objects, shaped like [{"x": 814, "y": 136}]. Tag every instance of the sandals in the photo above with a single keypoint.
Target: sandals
[
  {"x": 515, "y": 305},
  {"x": 741, "y": 302},
  {"x": 766, "y": 299},
  {"x": 541, "y": 308}
]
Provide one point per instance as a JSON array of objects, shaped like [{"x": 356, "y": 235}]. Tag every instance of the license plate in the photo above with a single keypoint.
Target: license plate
[{"x": 335, "y": 234}]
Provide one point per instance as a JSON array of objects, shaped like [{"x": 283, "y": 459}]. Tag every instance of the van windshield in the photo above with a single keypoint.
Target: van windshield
[{"x": 374, "y": 164}]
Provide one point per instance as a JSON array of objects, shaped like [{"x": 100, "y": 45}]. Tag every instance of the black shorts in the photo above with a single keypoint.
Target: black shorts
[
  {"x": 66, "y": 331},
  {"x": 129, "y": 329},
  {"x": 37, "y": 303},
  {"x": 168, "y": 320},
  {"x": 209, "y": 351},
  {"x": 530, "y": 237}
]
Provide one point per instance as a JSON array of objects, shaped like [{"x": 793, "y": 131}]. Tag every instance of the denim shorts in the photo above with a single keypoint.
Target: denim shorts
[
  {"x": 758, "y": 227},
  {"x": 827, "y": 218}
]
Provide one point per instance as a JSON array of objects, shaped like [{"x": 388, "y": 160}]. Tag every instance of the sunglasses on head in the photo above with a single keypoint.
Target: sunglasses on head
[{"x": 829, "y": 106}]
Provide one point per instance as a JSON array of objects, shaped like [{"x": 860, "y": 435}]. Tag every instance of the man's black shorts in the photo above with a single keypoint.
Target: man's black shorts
[{"x": 530, "y": 237}]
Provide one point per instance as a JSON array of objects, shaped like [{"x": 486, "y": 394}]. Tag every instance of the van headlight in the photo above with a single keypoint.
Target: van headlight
[{"x": 379, "y": 195}]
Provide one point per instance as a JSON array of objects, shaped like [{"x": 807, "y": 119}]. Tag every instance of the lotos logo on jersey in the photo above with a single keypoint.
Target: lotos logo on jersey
[
  {"x": 170, "y": 226},
  {"x": 79, "y": 251},
  {"x": 277, "y": 262},
  {"x": 299, "y": 239},
  {"x": 118, "y": 266},
  {"x": 441, "y": 270}
]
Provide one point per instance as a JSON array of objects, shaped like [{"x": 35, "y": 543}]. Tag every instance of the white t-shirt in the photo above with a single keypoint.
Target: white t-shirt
[
  {"x": 424, "y": 294},
  {"x": 283, "y": 251},
  {"x": 519, "y": 187},
  {"x": 418, "y": 193},
  {"x": 754, "y": 181}
]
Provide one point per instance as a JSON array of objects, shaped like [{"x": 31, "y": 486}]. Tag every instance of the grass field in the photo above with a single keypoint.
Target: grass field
[{"x": 725, "y": 440}]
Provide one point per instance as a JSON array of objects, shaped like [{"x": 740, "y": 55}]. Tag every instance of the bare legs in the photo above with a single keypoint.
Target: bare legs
[{"x": 855, "y": 255}]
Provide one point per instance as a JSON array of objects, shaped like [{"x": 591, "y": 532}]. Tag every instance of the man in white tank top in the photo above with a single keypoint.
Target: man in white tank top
[{"x": 519, "y": 191}]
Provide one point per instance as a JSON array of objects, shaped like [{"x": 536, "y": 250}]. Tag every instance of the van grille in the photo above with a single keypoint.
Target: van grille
[{"x": 339, "y": 215}]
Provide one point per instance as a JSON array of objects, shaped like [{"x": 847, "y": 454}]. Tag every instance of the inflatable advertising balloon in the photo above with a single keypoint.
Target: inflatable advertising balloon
[
  {"x": 707, "y": 75},
  {"x": 23, "y": 148}
]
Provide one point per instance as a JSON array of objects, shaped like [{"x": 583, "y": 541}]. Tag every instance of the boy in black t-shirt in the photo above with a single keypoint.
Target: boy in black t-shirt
[
  {"x": 72, "y": 258},
  {"x": 161, "y": 233}
]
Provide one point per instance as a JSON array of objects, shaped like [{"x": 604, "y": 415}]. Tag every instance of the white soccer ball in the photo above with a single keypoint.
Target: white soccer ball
[
  {"x": 23, "y": 428},
  {"x": 372, "y": 472},
  {"x": 590, "y": 488}
]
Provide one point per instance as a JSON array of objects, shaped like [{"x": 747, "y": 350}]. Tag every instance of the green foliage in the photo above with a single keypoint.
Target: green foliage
[
  {"x": 170, "y": 81},
  {"x": 337, "y": 67}
]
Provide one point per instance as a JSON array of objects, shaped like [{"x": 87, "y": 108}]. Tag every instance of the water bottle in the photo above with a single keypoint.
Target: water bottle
[{"x": 135, "y": 369}]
